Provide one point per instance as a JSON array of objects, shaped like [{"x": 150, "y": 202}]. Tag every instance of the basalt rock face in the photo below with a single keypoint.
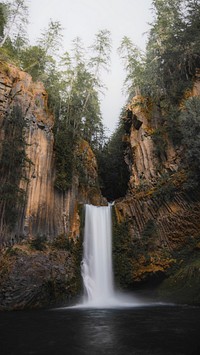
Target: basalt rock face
[
  {"x": 150, "y": 152},
  {"x": 35, "y": 279},
  {"x": 162, "y": 233},
  {"x": 42, "y": 277},
  {"x": 146, "y": 163},
  {"x": 157, "y": 222},
  {"x": 46, "y": 211}
]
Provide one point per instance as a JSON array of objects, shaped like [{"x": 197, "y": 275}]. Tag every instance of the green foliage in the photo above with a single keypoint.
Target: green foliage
[
  {"x": 39, "y": 243},
  {"x": 123, "y": 251},
  {"x": 134, "y": 61},
  {"x": 166, "y": 73},
  {"x": 131, "y": 252},
  {"x": 75, "y": 248},
  {"x": 159, "y": 139},
  {"x": 51, "y": 38},
  {"x": 3, "y": 18},
  {"x": 81, "y": 171},
  {"x": 172, "y": 52},
  {"x": 100, "y": 57},
  {"x": 183, "y": 285},
  {"x": 12, "y": 165},
  {"x": 78, "y": 113},
  {"x": 15, "y": 15},
  {"x": 33, "y": 61},
  {"x": 12, "y": 251},
  {"x": 113, "y": 171},
  {"x": 173, "y": 126},
  {"x": 101, "y": 49},
  {"x": 64, "y": 158},
  {"x": 165, "y": 189},
  {"x": 190, "y": 129},
  {"x": 73, "y": 84},
  {"x": 62, "y": 242}
]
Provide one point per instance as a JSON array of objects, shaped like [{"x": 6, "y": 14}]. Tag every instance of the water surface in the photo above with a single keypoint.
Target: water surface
[{"x": 153, "y": 330}]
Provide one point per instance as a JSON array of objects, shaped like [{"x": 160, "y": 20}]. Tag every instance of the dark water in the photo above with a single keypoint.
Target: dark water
[{"x": 157, "y": 330}]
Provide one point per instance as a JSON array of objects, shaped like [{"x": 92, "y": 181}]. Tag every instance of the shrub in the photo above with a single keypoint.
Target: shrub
[{"x": 39, "y": 243}]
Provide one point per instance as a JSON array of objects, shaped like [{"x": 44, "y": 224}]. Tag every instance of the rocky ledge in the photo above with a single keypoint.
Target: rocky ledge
[{"x": 31, "y": 278}]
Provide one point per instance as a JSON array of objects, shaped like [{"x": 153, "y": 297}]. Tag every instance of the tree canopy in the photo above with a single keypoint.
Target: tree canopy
[
  {"x": 172, "y": 52},
  {"x": 73, "y": 77}
]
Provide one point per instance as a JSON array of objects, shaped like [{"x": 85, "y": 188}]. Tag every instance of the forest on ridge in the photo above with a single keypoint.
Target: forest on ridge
[
  {"x": 73, "y": 79},
  {"x": 56, "y": 157}
]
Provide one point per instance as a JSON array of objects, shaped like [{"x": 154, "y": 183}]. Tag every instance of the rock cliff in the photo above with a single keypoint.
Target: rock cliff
[
  {"x": 156, "y": 225},
  {"x": 31, "y": 278},
  {"x": 160, "y": 214},
  {"x": 40, "y": 253},
  {"x": 46, "y": 210}
]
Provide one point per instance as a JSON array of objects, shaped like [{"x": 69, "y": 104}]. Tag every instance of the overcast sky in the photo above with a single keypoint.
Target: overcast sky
[{"x": 84, "y": 18}]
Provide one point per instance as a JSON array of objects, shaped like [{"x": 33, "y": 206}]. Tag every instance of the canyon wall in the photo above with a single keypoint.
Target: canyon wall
[
  {"x": 150, "y": 152},
  {"x": 41, "y": 253},
  {"x": 157, "y": 222},
  {"x": 156, "y": 225},
  {"x": 46, "y": 211}
]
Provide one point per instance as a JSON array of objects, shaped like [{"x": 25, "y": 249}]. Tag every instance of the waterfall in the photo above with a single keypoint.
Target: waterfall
[{"x": 96, "y": 267}]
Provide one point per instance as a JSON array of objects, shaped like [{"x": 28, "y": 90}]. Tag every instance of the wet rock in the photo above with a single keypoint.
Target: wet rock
[{"x": 37, "y": 280}]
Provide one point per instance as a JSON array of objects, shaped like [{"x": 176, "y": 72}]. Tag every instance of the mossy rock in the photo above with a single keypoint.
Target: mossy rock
[{"x": 184, "y": 285}]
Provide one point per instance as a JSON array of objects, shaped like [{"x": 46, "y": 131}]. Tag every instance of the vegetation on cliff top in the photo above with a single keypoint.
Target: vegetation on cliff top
[
  {"x": 113, "y": 170},
  {"x": 168, "y": 66},
  {"x": 166, "y": 73},
  {"x": 72, "y": 80}
]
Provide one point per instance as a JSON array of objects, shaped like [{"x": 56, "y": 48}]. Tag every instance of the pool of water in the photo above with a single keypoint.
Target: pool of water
[{"x": 153, "y": 330}]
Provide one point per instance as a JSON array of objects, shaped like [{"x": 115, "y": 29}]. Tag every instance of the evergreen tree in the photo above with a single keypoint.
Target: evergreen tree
[
  {"x": 134, "y": 62},
  {"x": 79, "y": 114},
  {"x": 113, "y": 171},
  {"x": 39, "y": 60},
  {"x": 190, "y": 127},
  {"x": 15, "y": 15},
  {"x": 172, "y": 52},
  {"x": 99, "y": 60},
  {"x": 3, "y": 19},
  {"x": 12, "y": 167}
]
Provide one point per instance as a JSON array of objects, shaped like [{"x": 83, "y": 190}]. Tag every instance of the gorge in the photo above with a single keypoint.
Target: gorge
[
  {"x": 155, "y": 226},
  {"x": 55, "y": 159},
  {"x": 99, "y": 233}
]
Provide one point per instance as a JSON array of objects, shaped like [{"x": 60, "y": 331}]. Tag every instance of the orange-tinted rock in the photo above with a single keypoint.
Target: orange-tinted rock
[{"x": 47, "y": 211}]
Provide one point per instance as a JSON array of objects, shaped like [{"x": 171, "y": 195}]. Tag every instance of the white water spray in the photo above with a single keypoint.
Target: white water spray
[
  {"x": 96, "y": 267},
  {"x": 97, "y": 256}
]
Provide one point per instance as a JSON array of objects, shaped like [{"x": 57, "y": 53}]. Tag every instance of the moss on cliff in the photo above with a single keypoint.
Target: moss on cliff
[
  {"x": 183, "y": 286},
  {"x": 137, "y": 260},
  {"x": 158, "y": 236},
  {"x": 122, "y": 254}
]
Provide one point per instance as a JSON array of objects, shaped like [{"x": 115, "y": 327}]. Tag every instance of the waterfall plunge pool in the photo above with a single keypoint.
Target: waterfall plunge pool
[
  {"x": 96, "y": 266},
  {"x": 104, "y": 323},
  {"x": 166, "y": 330}
]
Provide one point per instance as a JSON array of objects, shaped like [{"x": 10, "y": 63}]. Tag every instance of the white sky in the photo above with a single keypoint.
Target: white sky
[{"x": 84, "y": 18}]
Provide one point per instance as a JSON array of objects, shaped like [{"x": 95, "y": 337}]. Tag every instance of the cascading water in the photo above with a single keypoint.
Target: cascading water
[
  {"x": 96, "y": 266},
  {"x": 97, "y": 257}
]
